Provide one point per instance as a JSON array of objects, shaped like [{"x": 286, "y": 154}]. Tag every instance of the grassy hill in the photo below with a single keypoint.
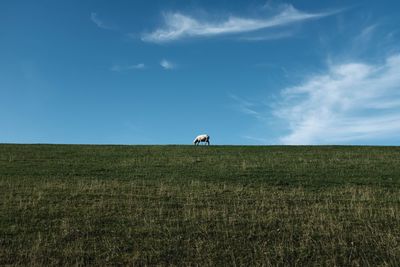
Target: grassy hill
[{"x": 186, "y": 205}]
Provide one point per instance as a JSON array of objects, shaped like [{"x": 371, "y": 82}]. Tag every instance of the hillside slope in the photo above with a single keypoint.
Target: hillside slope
[{"x": 186, "y": 205}]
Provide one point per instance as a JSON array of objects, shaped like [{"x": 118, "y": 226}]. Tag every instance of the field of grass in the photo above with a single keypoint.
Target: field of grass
[{"x": 185, "y": 205}]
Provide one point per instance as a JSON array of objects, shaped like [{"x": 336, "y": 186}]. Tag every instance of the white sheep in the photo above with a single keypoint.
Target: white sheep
[{"x": 202, "y": 138}]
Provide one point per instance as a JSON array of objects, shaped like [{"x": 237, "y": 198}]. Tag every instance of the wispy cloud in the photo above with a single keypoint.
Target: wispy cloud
[
  {"x": 168, "y": 65},
  {"x": 352, "y": 102},
  {"x": 95, "y": 19},
  {"x": 138, "y": 66},
  {"x": 178, "y": 25},
  {"x": 267, "y": 37},
  {"x": 362, "y": 40},
  {"x": 245, "y": 106},
  {"x": 118, "y": 68},
  {"x": 367, "y": 32}
]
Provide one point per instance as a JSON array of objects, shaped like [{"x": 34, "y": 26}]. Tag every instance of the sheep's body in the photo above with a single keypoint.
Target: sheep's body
[{"x": 202, "y": 138}]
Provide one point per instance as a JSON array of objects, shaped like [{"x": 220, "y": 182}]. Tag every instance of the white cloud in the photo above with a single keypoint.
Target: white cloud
[
  {"x": 353, "y": 102},
  {"x": 367, "y": 32},
  {"x": 118, "y": 68},
  {"x": 245, "y": 106},
  {"x": 95, "y": 19},
  {"x": 167, "y": 64},
  {"x": 362, "y": 40},
  {"x": 267, "y": 37},
  {"x": 139, "y": 66},
  {"x": 179, "y": 26}
]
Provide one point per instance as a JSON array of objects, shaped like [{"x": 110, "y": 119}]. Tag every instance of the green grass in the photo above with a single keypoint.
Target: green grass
[{"x": 185, "y": 205}]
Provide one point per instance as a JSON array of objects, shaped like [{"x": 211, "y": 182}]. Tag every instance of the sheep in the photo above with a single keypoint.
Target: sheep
[{"x": 202, "y": 138}]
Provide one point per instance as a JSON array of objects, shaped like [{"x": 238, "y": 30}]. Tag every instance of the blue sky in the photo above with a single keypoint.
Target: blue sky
[{"x": 162, "y": 72}]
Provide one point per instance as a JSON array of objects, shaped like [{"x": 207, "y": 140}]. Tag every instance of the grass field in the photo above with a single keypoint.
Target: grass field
[{"x": 185, "y": 205}]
